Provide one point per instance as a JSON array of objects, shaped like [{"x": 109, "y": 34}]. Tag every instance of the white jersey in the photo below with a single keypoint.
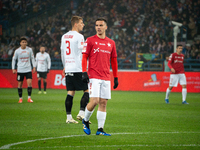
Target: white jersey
[
  {"x": 71, "y": 51},
  {"x": 24, "y": 58},
  {"x": 43, "y": 62}
]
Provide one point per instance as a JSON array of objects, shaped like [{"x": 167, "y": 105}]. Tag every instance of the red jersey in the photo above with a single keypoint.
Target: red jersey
[
  {"x": 176, "y": 62},
  {"x": 99, "y": 52}
]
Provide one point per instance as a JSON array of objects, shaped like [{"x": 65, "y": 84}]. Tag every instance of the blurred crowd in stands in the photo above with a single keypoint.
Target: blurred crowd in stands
[{"x": 137, "y": 26}]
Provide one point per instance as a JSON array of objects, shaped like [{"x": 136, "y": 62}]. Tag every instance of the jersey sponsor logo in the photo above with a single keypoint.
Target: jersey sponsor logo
[
  {"x": 103, "y": 51},
  {"x": 24, "y": 59},
  {"x": 178, "y": 61},
  {"x": 102, "y": 44},
  {"x": 96, "y": 50},
  {"x": 23, "y": 52},
  {"x": 179, "y": 57},
  {"x": 68, "y": 36},
  {"x": 69, "y": 61},
  {"x": 59, "y": 80}
]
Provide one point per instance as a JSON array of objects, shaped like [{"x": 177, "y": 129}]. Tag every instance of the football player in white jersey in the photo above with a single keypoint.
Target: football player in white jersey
[
  {"x": 43, "y": 64},
  {"x": 71, "y": 54},
  {"x": 24, "y": 55}
]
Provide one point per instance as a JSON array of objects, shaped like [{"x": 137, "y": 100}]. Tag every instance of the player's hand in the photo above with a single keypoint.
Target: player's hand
[
  {"x": 172, "y": 70},
  {"x": 33, "y": 69},
  {"x": 85, "y": 77},
  {"x": 115, "y": 83},
  {"x": 14, "y": 71},
  {"x": 63, "y": 72},
  {"x": 47, "y": 70}
]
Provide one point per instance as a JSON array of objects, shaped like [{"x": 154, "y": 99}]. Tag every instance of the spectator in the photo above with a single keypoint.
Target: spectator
[
  {"x": 4, "y": 56},
  {"x": 193, "y": 29}
]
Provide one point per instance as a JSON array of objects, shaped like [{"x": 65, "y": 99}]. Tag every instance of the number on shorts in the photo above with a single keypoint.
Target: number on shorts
[{"x": 18, "y": 77}]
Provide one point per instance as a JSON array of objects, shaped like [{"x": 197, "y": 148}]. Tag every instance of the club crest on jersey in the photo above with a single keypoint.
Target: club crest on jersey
[
  {"x": 96, "y": 50},
  {"x": 109, "y": 45},
  {"x": 96, "y": 43}
]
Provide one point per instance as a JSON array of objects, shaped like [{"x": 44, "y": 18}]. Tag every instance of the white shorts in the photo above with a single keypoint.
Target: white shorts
[
  {"x": 177, "y": 78},
  {"x": 100, "y": 88}
]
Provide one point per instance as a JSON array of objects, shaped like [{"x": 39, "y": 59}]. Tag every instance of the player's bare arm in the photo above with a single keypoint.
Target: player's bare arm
[
  {"x": 14, "y": 71},
  {"x": 33, "y": 69},
  {"x": 63, "y": 72},
  {"x": 173, "y": 70}
]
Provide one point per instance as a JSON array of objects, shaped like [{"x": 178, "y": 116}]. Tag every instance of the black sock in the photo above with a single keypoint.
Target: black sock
[
  {"x": 45, "y": 85},
  {"x": 68, "y": 103},
  {"x": 29, "y": 89},
  {"x": 100, "y": 129},
  {"x": 39, "y": 85},
  {"x": 84, "y": 101},
  {"x": 20, "y": 92}
]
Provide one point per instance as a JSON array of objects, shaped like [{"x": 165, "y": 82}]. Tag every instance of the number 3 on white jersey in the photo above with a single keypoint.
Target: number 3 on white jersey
[{"x": 68, "y": 51}]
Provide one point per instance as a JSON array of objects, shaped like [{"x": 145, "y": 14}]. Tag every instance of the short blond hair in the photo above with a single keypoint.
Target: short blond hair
[{"x": 75, "y": 19}]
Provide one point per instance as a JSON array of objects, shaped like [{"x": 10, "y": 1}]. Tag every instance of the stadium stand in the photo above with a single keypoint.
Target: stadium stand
[{"x": 137, "y": 26}]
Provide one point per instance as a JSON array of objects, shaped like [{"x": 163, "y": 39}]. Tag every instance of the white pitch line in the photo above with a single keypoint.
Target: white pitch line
[
  {"x": 50, "y": 138},
  {"x": 106, "y": 146}
]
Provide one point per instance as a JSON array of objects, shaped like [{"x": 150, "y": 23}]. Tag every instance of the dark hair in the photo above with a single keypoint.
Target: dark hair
[
  {"x": 179, "y": 45},
  {"x": 101, "y": 19},
  {"x": 42, "y": 46},
  {"x": 23, "y": 38},
  {"x": 167, "y": 55},
  {"x": 75, "y": 19}
]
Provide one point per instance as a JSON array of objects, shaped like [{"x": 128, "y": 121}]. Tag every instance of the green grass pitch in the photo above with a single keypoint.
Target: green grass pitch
[{"x": 136, "y": 120}]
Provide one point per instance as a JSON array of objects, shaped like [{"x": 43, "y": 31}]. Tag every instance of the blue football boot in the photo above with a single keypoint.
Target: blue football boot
[
  {"x": 86, "y": 127},
  {"x": 101, "y": 132}
]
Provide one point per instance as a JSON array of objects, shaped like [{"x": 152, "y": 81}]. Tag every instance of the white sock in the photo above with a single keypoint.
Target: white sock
[
  {"x": 29, "y": 97},
  {"x": 69, "y": 116},
  {"x": 184, "y": 94},
  {"x": 101, "y": 118},
  {"x": 81, "y": 113},
  {"x": 87, "y": 114},
  {"x": 20, "y": 98},
  {"x": 168, "y": 91}
]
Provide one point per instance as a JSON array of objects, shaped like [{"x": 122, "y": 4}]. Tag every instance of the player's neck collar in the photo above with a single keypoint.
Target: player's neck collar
[
  {"x": 100, "y": 37},
  {"x": 23, "y": 48}
]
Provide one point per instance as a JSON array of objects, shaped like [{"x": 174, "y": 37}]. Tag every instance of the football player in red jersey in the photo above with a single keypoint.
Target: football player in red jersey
[
  {"x": 100, "y": 51},
  {"x": 175, "y": 63}
]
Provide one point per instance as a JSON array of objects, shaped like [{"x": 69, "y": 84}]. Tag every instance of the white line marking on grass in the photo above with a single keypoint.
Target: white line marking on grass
[
  {"x": 106, "y": 146},
  {"x": 69, "y": 136}
]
